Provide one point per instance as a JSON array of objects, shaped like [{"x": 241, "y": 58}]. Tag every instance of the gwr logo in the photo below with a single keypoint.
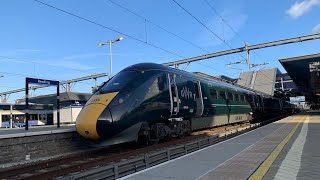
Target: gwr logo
[{"x": 186, "y": 93}]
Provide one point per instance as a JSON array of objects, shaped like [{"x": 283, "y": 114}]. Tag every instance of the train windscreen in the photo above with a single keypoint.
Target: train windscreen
[{"x": 118, "y": 82}]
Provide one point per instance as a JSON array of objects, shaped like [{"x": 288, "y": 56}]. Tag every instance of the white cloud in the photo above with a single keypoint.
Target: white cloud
[
  {"x": 298, "y": 9},
  {"x": 236, "y": 21},
  {"x": 316, "y": 29}
]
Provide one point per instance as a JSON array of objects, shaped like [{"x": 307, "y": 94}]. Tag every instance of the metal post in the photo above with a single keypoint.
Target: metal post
[
  {"x": 27, "y": 104},
  {"x": 10, "y": 115},
  {"x": 248, "y": 55},
  {"x": 282, "y": 84},
  {"x": 68, "y": 87},
  {"x": 58, "y": 105},
  {"x": 110, "y": 44}
]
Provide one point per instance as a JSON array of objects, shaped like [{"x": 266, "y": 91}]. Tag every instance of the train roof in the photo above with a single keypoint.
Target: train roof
[
  {"x": 146, "y": 66},
  {"x": 154, "y": 66}
]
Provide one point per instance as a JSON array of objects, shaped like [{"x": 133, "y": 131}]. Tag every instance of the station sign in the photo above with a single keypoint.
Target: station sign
[{"x": 42, "y": 81}]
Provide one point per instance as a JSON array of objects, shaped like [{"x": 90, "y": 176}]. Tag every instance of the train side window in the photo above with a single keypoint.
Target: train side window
[
  {"x": 230, "y": 96},
  {"x": 214, "y": 93},
  {"x": 243, "y": 98},
  {"x": 236, "y": 97},
  {"x": 222, "y": 95},
  {"x": 162, "y": 82}
]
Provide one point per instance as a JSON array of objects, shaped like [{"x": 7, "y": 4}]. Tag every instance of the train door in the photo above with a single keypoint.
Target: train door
[
  {"x": 174, "y": 95},
  {"x": 199, "y": 99}
]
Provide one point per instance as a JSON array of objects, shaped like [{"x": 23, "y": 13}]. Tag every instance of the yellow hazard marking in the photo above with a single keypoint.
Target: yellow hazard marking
[
  {"x": 86, "y": 123},
  {"x": 265, "y": 166}
]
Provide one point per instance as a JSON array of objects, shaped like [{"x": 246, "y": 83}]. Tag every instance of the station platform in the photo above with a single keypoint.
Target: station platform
[
  {"x": 286, "y": 149},
  {"x": 35, "y": 130}
]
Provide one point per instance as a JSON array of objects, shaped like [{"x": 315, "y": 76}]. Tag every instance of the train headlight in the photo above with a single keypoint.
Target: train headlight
[{"x": 120, "y": 100}]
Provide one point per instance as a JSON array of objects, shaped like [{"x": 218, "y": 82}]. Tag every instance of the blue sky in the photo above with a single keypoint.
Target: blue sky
[{"x": 45, "y": 43}]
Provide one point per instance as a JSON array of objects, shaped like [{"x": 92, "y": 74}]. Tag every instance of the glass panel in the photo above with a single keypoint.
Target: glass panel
[
  {"x": 118, "y": 81},
  {"x": 222, "y": 95},
  {"x": 214, "y": 93},
  {"x": 230, "y": 96},
  {"x": 236, "y": 97}
]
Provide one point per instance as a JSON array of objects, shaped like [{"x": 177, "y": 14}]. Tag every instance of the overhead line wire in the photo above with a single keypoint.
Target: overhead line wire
[
  {"x": 204, "y": 26},
  {"x": 211, "y": 30},
  {"x": 160, "y": 27},
  {"x": 233, "y": 29},
  {"x": 212, "y": 8},
  {"x": 106, "y": 27}
]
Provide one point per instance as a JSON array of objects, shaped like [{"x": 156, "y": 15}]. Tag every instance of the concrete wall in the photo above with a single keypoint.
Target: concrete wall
[
  {"x": 13, "y": 150},
  {"x": 68, "y": 115}
]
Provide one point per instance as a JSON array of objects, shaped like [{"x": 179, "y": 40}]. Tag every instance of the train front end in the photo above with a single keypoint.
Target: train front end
[
  {"x": 88, "y": 119},
  {"x": 102, "y": 116}
]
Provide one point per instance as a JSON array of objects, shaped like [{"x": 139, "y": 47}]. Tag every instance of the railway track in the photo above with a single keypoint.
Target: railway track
[{"x": 50, "y": 169}]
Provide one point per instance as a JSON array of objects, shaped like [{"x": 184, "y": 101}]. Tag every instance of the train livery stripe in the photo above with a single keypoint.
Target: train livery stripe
[
  {"x": 86, "y": 124},
  {"x": 230, "y": 105}
]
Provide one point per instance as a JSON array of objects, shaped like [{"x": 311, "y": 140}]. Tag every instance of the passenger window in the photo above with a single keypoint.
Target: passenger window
[
  {"x": 230, "y": 96},
  {"x": 222, "y": 95},
  {"x": 243, "y": 98},
  {"x": 236, "y": 97},
  {"x": 214, "y": 93}
]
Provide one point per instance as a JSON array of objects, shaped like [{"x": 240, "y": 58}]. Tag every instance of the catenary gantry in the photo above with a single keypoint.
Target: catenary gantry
[{"x": 244, "y": 49}]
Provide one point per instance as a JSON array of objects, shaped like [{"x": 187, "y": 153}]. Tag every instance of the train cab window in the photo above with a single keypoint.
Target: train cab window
[
  {"x": 230, "y": 96},
  {"x": 222, "y": 95},
  {"x": 118, "y": 81},
  {"x": 214, "y": 93},
  {"x": 236, "y": 97}
]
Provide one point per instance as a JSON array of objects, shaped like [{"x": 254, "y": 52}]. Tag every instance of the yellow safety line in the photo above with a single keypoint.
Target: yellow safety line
[{"x": 265, "y": 166}]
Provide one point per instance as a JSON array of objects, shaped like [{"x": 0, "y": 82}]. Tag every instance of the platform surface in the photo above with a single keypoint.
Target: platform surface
[
  {"x": 286, "y": 149},
  {"x": 35, "y": 130}
]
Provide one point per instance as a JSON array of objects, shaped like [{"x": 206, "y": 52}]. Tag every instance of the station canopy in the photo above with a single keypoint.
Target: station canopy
[
  {"x": 66, "y": 98},
  {"x": 304, "y": 71}
]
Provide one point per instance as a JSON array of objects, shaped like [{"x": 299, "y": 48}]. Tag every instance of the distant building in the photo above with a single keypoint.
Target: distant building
[
  {"x": 270, "y": 81},
  {"x": 262, "y": 80},
  {"x": 42, "y": 109},
  {"x": 38, "y": 114}
]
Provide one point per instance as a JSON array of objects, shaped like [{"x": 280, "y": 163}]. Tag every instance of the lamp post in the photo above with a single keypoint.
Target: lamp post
[{"x": 110, "y": 49}]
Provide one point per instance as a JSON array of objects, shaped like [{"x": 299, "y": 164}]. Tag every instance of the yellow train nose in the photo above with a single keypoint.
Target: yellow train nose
[{"x": 86, "y": 123}]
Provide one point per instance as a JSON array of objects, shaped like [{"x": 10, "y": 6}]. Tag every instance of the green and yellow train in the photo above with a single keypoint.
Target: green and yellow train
[{"x": 150, "y": 102}]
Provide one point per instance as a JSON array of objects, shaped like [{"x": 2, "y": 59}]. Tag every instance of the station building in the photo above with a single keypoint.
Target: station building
[{"x": 42, "y": 109}]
